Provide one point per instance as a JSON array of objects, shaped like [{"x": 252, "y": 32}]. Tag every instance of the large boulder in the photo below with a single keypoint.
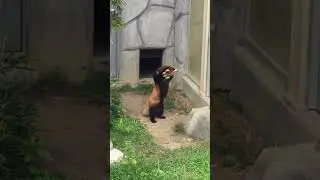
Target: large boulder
[
  {"x": 197, "y": 123},
  {"x": 287, "y": 163}
]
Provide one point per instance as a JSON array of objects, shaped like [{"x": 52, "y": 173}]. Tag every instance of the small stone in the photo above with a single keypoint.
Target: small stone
[
  {"x": 111, "y": 145},
  {"x": 115, "y": 156}
]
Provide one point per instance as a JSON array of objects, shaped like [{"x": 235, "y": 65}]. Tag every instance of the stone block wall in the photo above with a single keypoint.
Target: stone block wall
[{"x": 158, "y": 24}]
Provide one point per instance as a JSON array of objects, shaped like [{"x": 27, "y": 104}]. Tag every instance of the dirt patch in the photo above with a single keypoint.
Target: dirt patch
[
  {"x": 75, "y": 133},
  {"x": 163, "y": 130}
]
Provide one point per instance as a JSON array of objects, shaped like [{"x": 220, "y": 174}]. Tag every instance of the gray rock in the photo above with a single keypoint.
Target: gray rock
[
  {"x": 298, "y": 162},
  {"x": 181, "y": 41},
  {"x": 168, "y": 3},
  {"x": 197, "y": 123},
  {"x": 115, "y": 155},
  {"x": 133, "y": 8},
  {"x": 182, "y": 7},
  {"x": 111, "y": 145},
  {"x": 154, "y": 26},
  {"x": 130, "y": 38},
  {"x": 129, "y": 69},
  {"x": 168, "y": 56}
]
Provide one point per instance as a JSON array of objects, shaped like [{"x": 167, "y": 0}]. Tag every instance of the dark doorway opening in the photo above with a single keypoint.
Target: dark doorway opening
[
  {"x": 101, "y": 43},
  {"x": 150, "y": 60}
]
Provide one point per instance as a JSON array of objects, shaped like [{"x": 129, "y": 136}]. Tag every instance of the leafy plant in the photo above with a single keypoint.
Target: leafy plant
[
  {"x": 115, "y": 12},
  {"x": 20, "y": 149},
  {"x": 115, "y": 101}
]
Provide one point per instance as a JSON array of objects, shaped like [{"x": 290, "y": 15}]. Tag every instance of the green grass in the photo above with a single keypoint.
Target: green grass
[
  {"x": 169, "y": 104},
  {"x": 146, "y": 160},
  {"x": 141, "y": 88}
]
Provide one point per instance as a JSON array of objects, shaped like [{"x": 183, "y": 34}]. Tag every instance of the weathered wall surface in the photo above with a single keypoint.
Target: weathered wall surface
[
  {"x": 181, "y": 43},
  {"x": 60, "y": 35},
  {"x": 153, "y": 24},
  {"x": 227, "y": 17},
  {"x": 236, "y": 69}
]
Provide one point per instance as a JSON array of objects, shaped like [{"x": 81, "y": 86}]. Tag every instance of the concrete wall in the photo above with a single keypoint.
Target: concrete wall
[
  {"x": 197, "y": 66},
  {"x": 60, "y": 35},
  {"x": 153, "y": 24},
  {"x": 114, "y": 54},
  {"x": 254, "y": 84},
  {"x": 11, "y": 25}
]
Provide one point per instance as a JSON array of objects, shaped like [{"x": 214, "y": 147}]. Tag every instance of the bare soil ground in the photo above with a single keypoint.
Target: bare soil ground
[
  {"x": 163, "y": 130},
  {"x": 75, "y": 132}
]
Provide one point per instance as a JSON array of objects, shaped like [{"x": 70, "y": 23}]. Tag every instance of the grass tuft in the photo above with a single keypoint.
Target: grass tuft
[{"x": 179, "y": 128}]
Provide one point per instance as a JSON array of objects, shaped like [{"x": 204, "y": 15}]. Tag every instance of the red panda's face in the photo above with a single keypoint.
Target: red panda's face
[
  {"x": 166, "y": 71},
  {"x": 169, "y": 72}
]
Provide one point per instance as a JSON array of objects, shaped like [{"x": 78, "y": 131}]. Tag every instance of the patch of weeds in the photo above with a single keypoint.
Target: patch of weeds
[
  {"x": 140, "y": 89},
  {"x": 179, "y": 101},
  {"x": 21, "y": 152},
  {"x": 179, "y": 128},
  {"x": 169, "y": 104}
]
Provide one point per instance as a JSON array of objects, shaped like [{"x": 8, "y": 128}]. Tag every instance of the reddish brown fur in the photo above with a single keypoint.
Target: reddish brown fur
[{"x": 154, "y": 97}]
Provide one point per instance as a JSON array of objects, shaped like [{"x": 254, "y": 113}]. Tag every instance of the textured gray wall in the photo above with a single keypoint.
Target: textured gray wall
[
  {"x": 232, "y": 68},
  {"x": 10, "y": 24},
  {"x": 61, "y": 35},
  {"x": 114, "y": 54},
  {"x": 227, "y": 16}
]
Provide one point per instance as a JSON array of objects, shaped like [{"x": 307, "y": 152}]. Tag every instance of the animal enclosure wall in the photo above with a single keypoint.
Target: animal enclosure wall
[
  {"x": 60, "y": 35},
  {"x": 12, "y": 25},
  {"x": 153, "y": 24}
]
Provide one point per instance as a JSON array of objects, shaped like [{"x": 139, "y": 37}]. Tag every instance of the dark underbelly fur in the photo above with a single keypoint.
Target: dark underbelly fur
[{"x": 158, "y": 110}]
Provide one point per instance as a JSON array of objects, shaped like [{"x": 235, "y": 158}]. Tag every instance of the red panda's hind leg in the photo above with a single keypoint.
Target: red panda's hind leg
[{"x": 153, "y": 119}]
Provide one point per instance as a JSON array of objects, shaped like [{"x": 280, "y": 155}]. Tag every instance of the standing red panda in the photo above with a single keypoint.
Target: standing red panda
[{"x": 154, "y": 106}]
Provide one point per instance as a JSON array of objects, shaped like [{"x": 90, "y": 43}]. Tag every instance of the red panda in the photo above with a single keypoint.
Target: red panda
[{"x": 154, "y": 106}]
